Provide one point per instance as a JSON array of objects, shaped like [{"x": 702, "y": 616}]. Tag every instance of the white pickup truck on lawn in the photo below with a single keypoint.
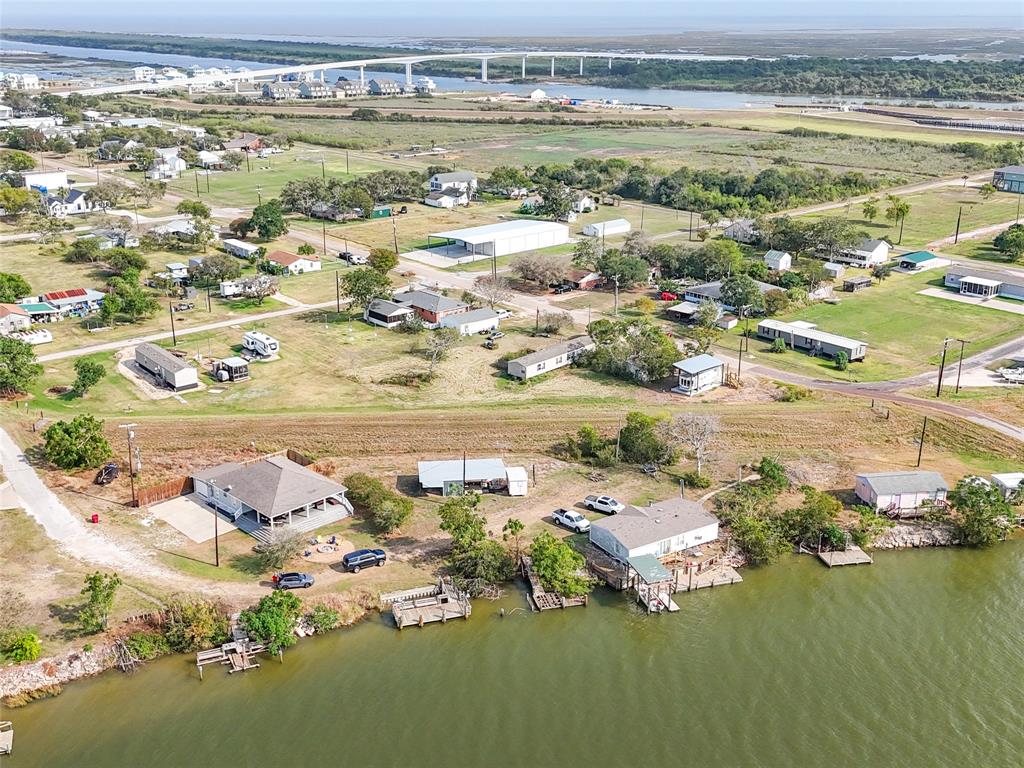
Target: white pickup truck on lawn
[
  {"x": 574, "y": 521},
  {"x": 605, "y": 504}
]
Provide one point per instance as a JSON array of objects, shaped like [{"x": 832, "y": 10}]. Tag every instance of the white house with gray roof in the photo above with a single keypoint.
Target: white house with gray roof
[
  {"x": 866, "y": 254},
  {"x": 698, "y": 374},
  {"x": 985, "y": 283},
  {"x": 264, "y": 495},
  {"x": 659, "y": 529},
  {"x": 550, "y": 358},
  {"x": 168, "y": 370},
  {"x": 803, "y": 335},
  {"x": 901, "y": 494},
  {"x": 713, "y": 292},
  {"x": 473, "y": 321}
]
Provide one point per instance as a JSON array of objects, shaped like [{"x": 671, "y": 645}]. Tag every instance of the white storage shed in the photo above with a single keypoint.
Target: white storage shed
[{"x": 607, "y": 228}]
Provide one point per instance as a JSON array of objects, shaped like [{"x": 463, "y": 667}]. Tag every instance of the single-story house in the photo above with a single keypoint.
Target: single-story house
[
  {"x": 504, "y": 238},
  {"x": 71, "y": 204},
  {"x": 742, "y": 231},
  {"x": 260, "y": 496},
  {"x": 833, "y": 270},
  {"x": 473, "y": 321},
  {"x": 293, "y": 263},
  {"x": 660, "y": 529},
  {"x": 387, "y": 314},
  {"x": 446, "y": 198},
  {"x": 985, "y": 283},
  {"x": 1008, "y": 482},
  {"x": 698, "y": 374},
  {"x": 177, "y": 271},
  {"x": 452, "y": 476},
  {"x": 803, "y": 335},
  {"x": 780, "y": 261},
  {"x": 713, "y": 292},
  {"x": 247, "y": 142},
  {"x": 183, "y": 229},
  {"x": 240, "y": 248},
  {"x": 607, "y": 228},
  {"x": 901, "y": 494},
  {"x": 550, "y": 358},
  {"x": 1009, "y": 178},
  {"x": 13, "y": 318},
  {"x": 584, "y": 204},
  {"x": 920, "y": 260},
  {"x": 868, "y": 253},
  {"x": 584, "y": 279},
  {"x": 169, "y": 371},
  {"x": 210, "y": 160},
  {"x": 103, "y": 242},
  {"x": 431, "y": 306},
  {"x": 858, "y": 283},
  {"x": 166, "y": 165}
]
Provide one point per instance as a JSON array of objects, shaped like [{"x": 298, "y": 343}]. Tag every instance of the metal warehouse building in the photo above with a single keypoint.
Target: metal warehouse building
[{"x": 504, "y": 238}]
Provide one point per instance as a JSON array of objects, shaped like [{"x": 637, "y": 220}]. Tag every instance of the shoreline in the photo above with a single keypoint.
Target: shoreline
[{"x": 20, "y": 683}]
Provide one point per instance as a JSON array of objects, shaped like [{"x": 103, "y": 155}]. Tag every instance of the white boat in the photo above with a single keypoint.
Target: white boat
[
  {"x": 38, "y": 336},
  {"x": 1012, "y": 375}
]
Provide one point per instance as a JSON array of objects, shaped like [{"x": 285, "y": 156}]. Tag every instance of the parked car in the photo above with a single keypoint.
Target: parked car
[
  {"x": 353, "y": 258},
  {"x": 496, "y": 335},
  {"x": 184, "y": 306},
  {"x": 490, "y": 344},
  {"x": 363, "y": 558},
  {"x": 503, "y": 314},
  {"x": 605, "y": 504},
  {"x": 668, "y": 296},
  {"x": 108, "y": 473},
  {"x": 292, "y": 580},
  {"x": 574, "y": 521},
  {"x": 563, "y": 288},
  {"x": 404, "y": 209}
]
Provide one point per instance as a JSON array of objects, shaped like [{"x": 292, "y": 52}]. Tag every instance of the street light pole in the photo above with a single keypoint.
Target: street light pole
[
  {"x": 131, "y": 465},
  {"x": 942, "y": 366}
]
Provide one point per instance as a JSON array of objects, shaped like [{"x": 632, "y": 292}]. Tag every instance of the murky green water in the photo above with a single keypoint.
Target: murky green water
[{"x": 917, "y": 660}]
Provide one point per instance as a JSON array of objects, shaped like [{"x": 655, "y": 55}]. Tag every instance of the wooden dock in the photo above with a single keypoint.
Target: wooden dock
[
  {"x": 6, "y": 737},
  {"x": 539, "y": 598},
  {"x": 852, "y": 556},
  {"x": 427, "y": 605},
  {"x": 239, "y": 655}
]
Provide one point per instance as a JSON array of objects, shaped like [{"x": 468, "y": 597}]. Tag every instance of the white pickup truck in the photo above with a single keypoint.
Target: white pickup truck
[
  {"x": 605, "y": 504},
  {"x": 574, "y": 521}
]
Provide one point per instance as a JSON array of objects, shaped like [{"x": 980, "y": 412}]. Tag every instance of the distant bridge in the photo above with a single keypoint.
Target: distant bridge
[{"x": 273, "y": 73}]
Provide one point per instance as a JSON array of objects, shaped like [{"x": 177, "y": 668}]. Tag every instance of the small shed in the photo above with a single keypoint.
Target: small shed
[
  {"x": 231, "y": 369},
  {"x": 780, "y": 261},
  {"x": 920, "y": 260},
  {"x": 901, "y": 494},
  {"x": 698, "y": 374},
  {"x": 169, "y": 371},
  {"x": 518, "y": 481},
  {"x": 854, "y": 284},
  {"x": 607, "y": 228},
  {"x": 835, "y": 271}
]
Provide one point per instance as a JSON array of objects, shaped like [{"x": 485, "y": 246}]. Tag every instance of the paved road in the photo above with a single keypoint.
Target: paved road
[{"x": 122, "y": 343}]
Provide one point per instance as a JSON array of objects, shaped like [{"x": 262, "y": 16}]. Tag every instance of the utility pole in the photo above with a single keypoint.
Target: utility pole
[
  {"x": 259, "y": 195},
  {"x": 170, "y": 311},
  {"x": 920, "y": 445},
  {"x": 337, "y": 289},
  {"x": 130, "y": 428},
  {"x": 942, "y": 366},
  {"x": 209, "y": 305},
  {"x": 689, "y": 232},
  {"x": 324, "y": 223},
  {"x": 956, "y": 237},
  {"x": 197, "y": 185},
  {"x": 346, "y": 162},
  {"x": 135, "y": 202},
  {"x": 641, "y": 217},
  {"x": 323, "y": 169},
  {"x": 739, "y": 362},
  {"x": 960, "y": 364},
  {"x": 248, "y": 164},
  {"x": 616, "y": 279},
  {"x": 394, "y": 231}
]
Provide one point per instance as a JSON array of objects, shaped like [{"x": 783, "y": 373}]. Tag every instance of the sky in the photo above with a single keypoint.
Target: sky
[{"x": 440, "y": 18}]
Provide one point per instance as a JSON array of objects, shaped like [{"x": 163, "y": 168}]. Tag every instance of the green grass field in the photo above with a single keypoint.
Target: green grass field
[
  {"x": 903, "y": 328},
  {"x": 933, "y": 215}
]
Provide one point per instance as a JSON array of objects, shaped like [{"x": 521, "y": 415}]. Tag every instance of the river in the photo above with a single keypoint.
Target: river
[
  {"x": 667, "y": 97},
  {"x": 916, "y": 660}
]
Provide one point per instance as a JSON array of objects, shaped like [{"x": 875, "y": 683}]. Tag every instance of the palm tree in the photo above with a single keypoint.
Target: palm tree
[{"x": 897, "y": 212}]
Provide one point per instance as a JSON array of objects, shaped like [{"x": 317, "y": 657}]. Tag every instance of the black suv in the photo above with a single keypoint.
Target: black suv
[
  {"x": 293, "y": 580},
  {"x": 363, "y": 558}
]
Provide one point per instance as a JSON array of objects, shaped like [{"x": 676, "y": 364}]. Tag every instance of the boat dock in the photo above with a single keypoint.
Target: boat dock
[
  {"x": 852, "y": 556},
  {"x": 539, "y": 598},
  {"x": 238, "y": 654},
  {"x": 6, "y": 737},
  {"x": 426, "y": 605},
  {"x": 718, "y": 575}
]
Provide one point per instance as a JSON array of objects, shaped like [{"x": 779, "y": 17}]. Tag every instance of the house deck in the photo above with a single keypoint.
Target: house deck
[
  {"x": 300, "y": 523},
  {"x": 852, "y": 556},
  {"x": 719, "y": 575}
]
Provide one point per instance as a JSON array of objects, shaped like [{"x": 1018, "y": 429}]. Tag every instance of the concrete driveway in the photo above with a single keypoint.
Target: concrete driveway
[{"x": 190, "y": 516}]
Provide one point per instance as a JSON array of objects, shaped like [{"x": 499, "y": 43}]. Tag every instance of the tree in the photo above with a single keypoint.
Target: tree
[
  {"x": 84, "y": 251},
  {"x": 150, "y": 191},
  {"x": 16, "y": 200},
  {"x": 107, "y": 194},
  {"x": 268, "y": 220},
  {"x": 808, "y": 521},
  {"x": 280, "y": 547},
  {"x": 870, "y": 209},
  {"x": 986, "y": 191},
  {"x": 718, "y": 259},
  {"x": 133, "y": 299},
  {"x": 641, "y": 441},
  {"x": 120, "y": 260},
  {"x": 233, "y": 159},
  {"x": 88, "y": 375},
  {"x": 541, "y": 268},
  {"x": 743, "y": 294},
  {"x": 558, "y": 200},
  {"x": 638, "y": 246},
  {"x": 18, "y": 366},
  {"x": 560, "y": 568},
  {"x": 697, "y": 432},
  {"x": 363, "y": 285},
  {"x": 306, "y": 250},
  {"x": 258, "y": 287},
  {"x": 382, "y": 260},
  {"x": 896, "y": 211},
  {"x": 192, "y": 623},
  {"x": 776, "y": 302},
  {"x": 493, "y": 290},
  {"x": 194, "y": 209},
  {"x": 272, "y": 621},
  {"x": 506, "y": 179},
  {"x": 585, "y": 253},
  {"x": 759, "y": 538},
  {"x": 439, "y": 344},
  {"x": 240, "y": 227},
  {"x": 983, "y": 514},
  {"x": 1010, "y": 242},
  {"x": 512, "y": 531},
  {"x": 215, "y": 268},
  {"x": 76, "y": 444},
  {"x": 100, "y": 590},
  {"x": 474, "y": 558},
  {"x": 15, "y": 161},
  {"x": 387, "y": 509},
  {"x": 13, "y": 287},
  {"x": 635, "y": 349},
  {"x": 625, "y": 270}
]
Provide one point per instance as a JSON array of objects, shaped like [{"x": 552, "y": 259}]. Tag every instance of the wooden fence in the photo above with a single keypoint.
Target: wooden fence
[{"x": 176, "y": 487}]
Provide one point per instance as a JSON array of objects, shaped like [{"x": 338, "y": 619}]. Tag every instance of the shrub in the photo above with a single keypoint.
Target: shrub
[
  {"x": 323, "y": 619},
  {"x": 695, "y": 480},
  {"x": 791, "y": 393},
  {"x": 193, "y": 623},
  {"x": 773, "y": 475},
  {"x": 388, "y": 509},
  {"x": 76, "y": 444},
  {"x": 272, "y": 620},
  {"x": 147, "y": 645},
  {"x": 842, "y": 361},
  {"x": 281, "y": 547},
  {"x": 22, "y": 646},
  {"x": 778, "y": 346}
]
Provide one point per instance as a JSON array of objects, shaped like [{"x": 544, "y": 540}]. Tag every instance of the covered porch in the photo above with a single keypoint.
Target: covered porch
[{"x": 981, "y": 287}]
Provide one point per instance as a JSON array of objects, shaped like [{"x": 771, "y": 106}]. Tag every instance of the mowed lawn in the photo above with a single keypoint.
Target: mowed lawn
[
  {"x": 933, "y": 215},
  {"x": 904, "y": 330},
  {"x": 981, "y": 248}
]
